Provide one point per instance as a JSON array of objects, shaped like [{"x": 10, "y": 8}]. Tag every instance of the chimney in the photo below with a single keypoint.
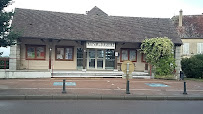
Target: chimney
[{"x": 181, "y": 18}]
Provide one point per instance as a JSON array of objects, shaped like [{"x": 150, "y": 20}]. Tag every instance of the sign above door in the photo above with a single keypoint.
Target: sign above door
[{"x": 100, "y": 45}]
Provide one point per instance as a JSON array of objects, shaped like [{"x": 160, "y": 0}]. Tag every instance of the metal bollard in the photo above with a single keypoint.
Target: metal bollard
[
  {"x": 127, "y": 79},
  {"x": 185, "y": 93},
  {"x": 64, "y": 86},
  {"x": 127, "y": 87}
]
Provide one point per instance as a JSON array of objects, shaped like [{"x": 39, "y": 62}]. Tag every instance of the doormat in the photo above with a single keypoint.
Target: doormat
[
  {"x": 66, "y": 83},
  {"x": 156, "y": 85}
]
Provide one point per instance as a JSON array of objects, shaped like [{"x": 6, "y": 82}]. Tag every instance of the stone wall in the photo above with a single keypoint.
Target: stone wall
[{"x": 178, "y": 59}]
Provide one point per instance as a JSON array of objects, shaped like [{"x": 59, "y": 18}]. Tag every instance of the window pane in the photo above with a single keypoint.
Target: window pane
[
  {"x": 59, "y": 53},
  {"x": 92, "y": 53},
  {"x": 79, "y": 53},
  {"x": 132, "y": 55},
  {"x": 100, "y": 53},
  {"x": 199, "y": 48},
  {"x": 91, "y": 63},
  {"x": 110, "y": 54},
  {"x": 69, "y": 53},
  {"x": 124, "y": 55},
  {"x": 100, "y": 63},
  {"x": 109, "y": 63},
  {"x": 186, "y": 48},
  {"x": 31, "y": 52},
  {"x": 40, "y": 52},
  {"x": 79, "y": 63}
]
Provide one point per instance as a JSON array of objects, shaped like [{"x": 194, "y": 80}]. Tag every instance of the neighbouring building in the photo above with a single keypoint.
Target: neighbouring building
[
  {"x": 94, "y": 41},
  {"x": 190, "y": 29}
]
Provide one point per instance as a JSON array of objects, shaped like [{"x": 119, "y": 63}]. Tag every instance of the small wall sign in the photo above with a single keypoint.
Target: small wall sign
[
  {"x": 116, "y": 54},
  {"x": 100, "y": 45}
]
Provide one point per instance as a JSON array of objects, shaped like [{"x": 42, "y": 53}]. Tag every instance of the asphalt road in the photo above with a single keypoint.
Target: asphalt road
[{"x": 99, "y": 107}]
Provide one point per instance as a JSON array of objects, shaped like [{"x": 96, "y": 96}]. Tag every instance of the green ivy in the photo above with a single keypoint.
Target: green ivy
[{"x": 159, "y": 53}]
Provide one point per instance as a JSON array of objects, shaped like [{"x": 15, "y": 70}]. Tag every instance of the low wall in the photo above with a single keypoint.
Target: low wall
[{"x": 24, "y": 74}]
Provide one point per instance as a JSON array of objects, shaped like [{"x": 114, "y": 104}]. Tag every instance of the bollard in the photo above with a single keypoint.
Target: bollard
[
  {"x": 185, "y": 88},
  {"x": 127, "y": 79},
  {"x": 64, "y": 86},
  {"x": 127, "y": 87}
]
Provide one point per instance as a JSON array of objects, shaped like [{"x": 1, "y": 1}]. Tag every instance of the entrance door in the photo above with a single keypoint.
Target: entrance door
[
  {"x": 96, "y": 58},
  {"x": 100, "y": 59},
  {"x": 92, "y": 58},
  {"x": 109, "y": 59},
  {"x": 79, "y": 58}
]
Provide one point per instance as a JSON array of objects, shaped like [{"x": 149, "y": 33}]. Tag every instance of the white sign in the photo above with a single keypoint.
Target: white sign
[
  {"x": 116, "y": 54},
  {"x": 100, "y": 45}
]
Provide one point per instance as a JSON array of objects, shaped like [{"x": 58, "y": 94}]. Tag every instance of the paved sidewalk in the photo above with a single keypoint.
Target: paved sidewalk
[{"x": 98, "y": 88}]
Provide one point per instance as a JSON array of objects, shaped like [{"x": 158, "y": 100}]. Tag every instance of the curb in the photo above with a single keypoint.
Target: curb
[
  {"x": 12, "y": 97},
  {"x": 96, "y": 97}
]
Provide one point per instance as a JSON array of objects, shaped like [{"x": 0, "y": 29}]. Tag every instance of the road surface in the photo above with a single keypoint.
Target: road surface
[{"x": 99, "y": 107}]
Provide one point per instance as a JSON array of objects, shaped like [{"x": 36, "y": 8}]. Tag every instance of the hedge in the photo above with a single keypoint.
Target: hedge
[{"x": 193, "y": 66}]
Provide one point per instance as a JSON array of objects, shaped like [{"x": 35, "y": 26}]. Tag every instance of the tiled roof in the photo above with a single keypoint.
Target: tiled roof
[
  {"x": 96, "y": 11},
  {"x": 56, "y": 25},
  {"x": 192, "y": 26}
]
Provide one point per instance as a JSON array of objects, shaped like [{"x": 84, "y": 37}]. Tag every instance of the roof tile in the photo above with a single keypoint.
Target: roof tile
[{"x": 56, "y": 25}]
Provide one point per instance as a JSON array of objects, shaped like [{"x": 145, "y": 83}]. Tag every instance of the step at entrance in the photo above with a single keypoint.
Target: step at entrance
[{"x": 97, "y": 74}]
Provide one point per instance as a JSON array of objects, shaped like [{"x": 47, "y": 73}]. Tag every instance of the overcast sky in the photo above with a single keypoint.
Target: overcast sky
[{"x": 133, "y": 8}]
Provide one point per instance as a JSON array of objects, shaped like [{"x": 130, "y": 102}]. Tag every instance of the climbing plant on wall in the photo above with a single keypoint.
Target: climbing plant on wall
[{"x": 159, "y": 53}]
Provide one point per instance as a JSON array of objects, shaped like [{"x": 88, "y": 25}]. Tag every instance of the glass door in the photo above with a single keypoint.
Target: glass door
[
  {"x": 79, "y": 58},
  {"x": 100, "y": 59},
  {"x": 92, "y": 57},
  {"x": 109, "y": 59}
]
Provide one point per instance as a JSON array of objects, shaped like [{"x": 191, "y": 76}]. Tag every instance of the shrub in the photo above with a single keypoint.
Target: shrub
[
  {"x": 159, "y": 53},
  {"x": 193, "y": 67},
  {"x": 165, "y": 66}
]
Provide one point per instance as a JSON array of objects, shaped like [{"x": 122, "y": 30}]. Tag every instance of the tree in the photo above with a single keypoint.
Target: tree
[
  {"x": 159, "y": 53},
  {"x": 7, "y": 36}
]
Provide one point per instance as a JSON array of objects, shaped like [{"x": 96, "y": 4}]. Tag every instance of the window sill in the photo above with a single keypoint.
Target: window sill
[
  {"x": 63, "y": 60},
  {"x": 34, "y": 59}
]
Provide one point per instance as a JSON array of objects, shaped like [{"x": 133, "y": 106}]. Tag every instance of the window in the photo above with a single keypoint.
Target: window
[
  {"x": 79, "y": 58},
  {"x": 199, "y": 48},
  {"x": 64, "y": 53},
  {"x": 185, "y": 48},
  {"x": 129, "y": 54},
  {"x": 143, "y": 57},
  {"x": 35, "y": 52}
]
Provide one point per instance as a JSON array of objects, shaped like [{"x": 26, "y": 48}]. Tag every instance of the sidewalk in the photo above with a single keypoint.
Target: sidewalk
[{"x": 99, "y": 88}]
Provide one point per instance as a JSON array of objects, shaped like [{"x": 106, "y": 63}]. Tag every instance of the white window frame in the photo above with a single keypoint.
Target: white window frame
[
  {"x": 199, "y": 48},
  {"x": 186, "y": 48}
]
